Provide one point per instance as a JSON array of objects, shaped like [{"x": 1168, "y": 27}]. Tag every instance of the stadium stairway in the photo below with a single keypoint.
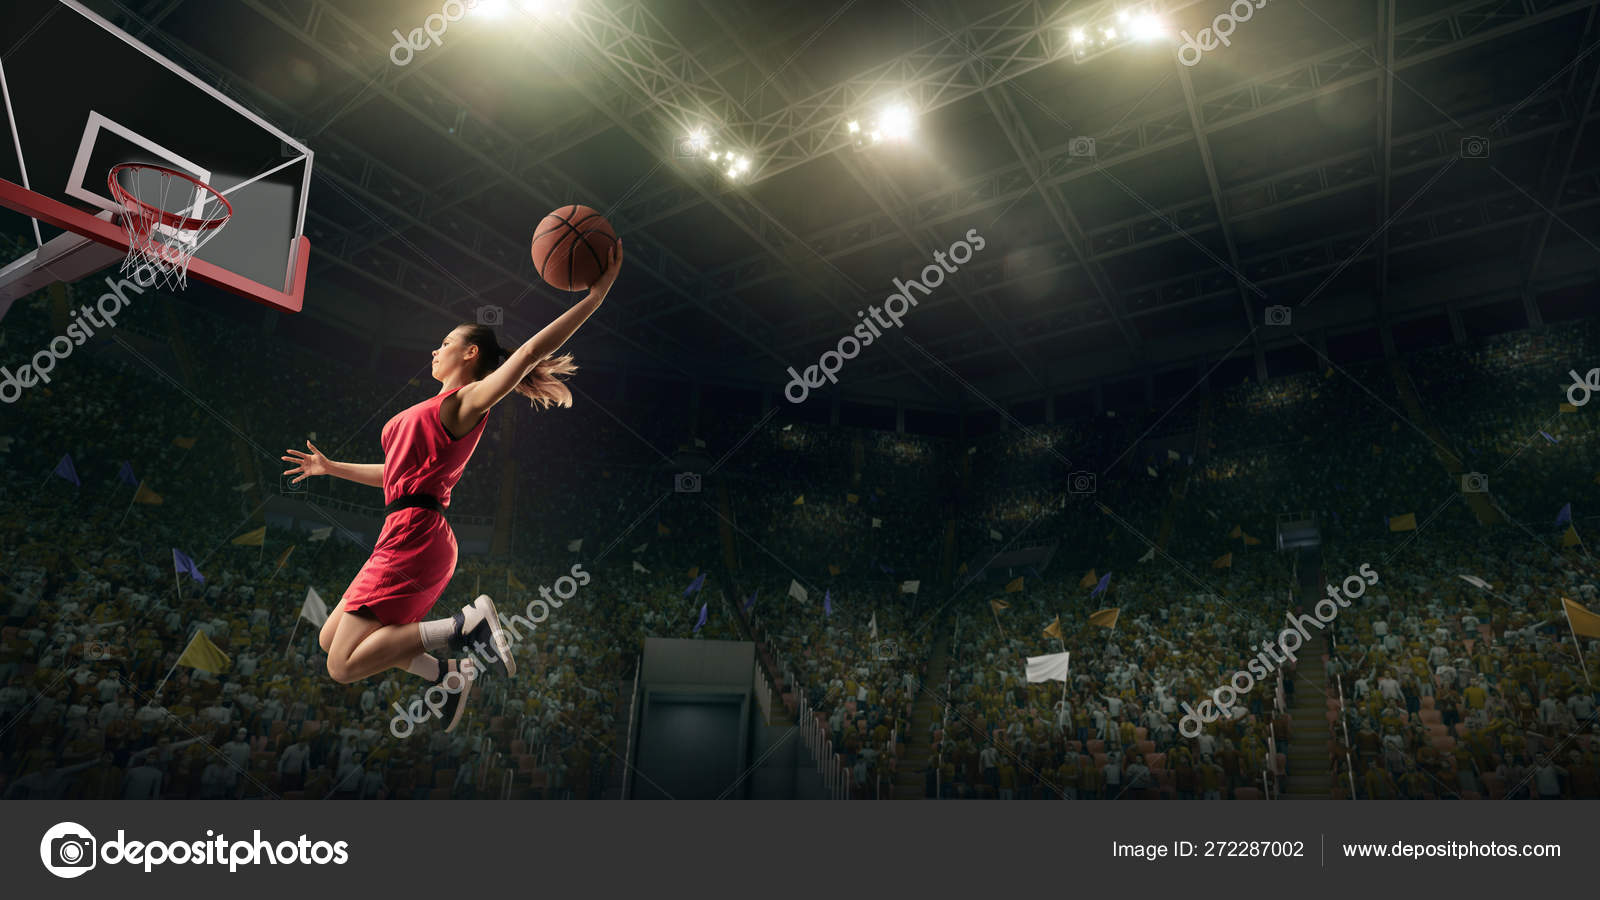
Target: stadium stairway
[
  {"x": 1307, "y": 764},
  {"x": 909, "y": 779}
]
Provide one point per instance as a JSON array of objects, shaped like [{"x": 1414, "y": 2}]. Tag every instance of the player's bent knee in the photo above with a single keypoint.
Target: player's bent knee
[{"x": 340, "y": 671}]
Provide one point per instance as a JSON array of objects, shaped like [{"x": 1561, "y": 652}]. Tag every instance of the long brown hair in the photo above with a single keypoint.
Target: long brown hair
[{"x": 543, "y": 386}]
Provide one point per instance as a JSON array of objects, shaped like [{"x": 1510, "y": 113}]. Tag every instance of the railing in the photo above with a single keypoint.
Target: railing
[
  {"x": 835, "y": 777},
  {"x": 763, "y": 690},
  {"x": 633, "y": 711}
]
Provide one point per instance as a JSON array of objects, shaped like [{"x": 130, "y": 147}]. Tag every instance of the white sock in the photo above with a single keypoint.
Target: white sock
[
  {"x": 436, "y": 634},
  {"x": 424, "y": 666}
]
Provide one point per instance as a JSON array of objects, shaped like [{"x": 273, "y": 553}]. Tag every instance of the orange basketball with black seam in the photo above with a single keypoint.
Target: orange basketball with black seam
[{"x": 571, "y": 247}]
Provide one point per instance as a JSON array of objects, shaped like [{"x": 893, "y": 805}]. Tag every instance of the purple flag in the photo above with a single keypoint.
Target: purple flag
[
  {"x": 184, "y": 565},
  {"x": 827, "y": 603},
  {"x": 695, "y": 584},
  {"x": 752, "y": 601},
  {"x": 65, "y": 469},
  {"x": 1549, "y": 438},
  {"x": 1105, "y": 581},
  {"x": 1565, "y": 515},
  {"x": 702, "y": 618},
  {"x": 125, "y": 475}
]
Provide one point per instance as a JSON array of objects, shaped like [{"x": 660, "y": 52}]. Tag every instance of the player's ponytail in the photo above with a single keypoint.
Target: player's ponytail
[{"x": 543, "y": 386}]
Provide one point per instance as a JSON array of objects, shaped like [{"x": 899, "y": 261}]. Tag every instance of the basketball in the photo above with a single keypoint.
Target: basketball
[{"x": 571, "y": 247}]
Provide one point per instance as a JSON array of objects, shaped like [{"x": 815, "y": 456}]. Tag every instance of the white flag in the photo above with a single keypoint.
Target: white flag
[
  {"x": 640, "y": 548},
  {"x": 241, "y": 488},
  {"x": 797, "y": 592},
  {"x": 910, "y": 587},
  {"x": 574, "y": 546},
  {"x": 699, "y": 443},
  {"x": 972, "y": 451},
  {"x": 313, "y": 610},
  {"x": 1051, "y": 667},
  {"x": 1475, "y": 581},
  {"x": 1149, "y": 555},
  {"x": 789, "y": 427},
  {"x": 1172, "y": 455},
  {"x": 1151, "y": 470},
  {"x": 877, "y": 522},
  {"x": 996, "y": 535},
  {"x": 639, "y": 568},
  {"x": 874, "y": 626},
  {"x": 321, "y": 534}
]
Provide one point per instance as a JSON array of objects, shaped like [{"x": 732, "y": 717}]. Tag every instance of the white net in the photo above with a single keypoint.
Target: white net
[{"x": 167, "y": 219}]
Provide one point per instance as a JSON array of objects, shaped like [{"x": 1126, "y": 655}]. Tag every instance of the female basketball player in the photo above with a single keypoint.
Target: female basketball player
[{"x": 378, "y": 625}]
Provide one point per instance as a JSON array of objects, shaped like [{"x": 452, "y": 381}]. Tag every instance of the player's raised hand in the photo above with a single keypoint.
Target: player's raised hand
[
  {"x": 609, "y": 276},
  {"x": 313, "y": 463}
]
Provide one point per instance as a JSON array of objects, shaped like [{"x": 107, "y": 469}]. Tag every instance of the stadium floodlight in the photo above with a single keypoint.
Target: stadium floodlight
[
  {"x": 897, "y": 122},
  {"x": 1135, "y": 22},
  {"x": 697, "y": 140},
  {"x": 1147, "y": 27}
]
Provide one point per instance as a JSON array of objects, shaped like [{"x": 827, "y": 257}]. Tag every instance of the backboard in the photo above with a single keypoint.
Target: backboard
[{"x": 80, "y": 96}]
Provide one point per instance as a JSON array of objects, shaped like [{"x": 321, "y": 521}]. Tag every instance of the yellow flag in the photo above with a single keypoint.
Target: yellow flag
[
  {"x": 1236, "y": 532},
  {"x": 693, "y": 571},
  {"x": 1089, "y": 579},
  {"x": 203, "y": 655},
  {"x": 252, "y": 538},
  {"x": 283, "y": 559},
  {"x": 800, "y": 500},
  {"x": 1225, "y": 561},
  {"x": 833, "y": 570},
  {"x": 1053, "y": 629},
  {"x": 851, "y": 498},
  {"x": 998, "y": 605},
  {"x": 1015, "y": 586},
  {"x": 1584, "y": 623},
  {"x": 1329, "y": 373},
  {"x": 1570, "y": 539},
  {"x": 962, "y": 570},
  {"x": 146, "y": 496},
  {"x": 662, "y": 529},
  {"x": 513, "y": 582},
  {"x": 1251, "y": 541},
  {"x": 185, "y": 443},
  {"x": 1105, "y": 618},
  {"x": 1407, "y": 522},
  {"x": 1568, "y": 408}
]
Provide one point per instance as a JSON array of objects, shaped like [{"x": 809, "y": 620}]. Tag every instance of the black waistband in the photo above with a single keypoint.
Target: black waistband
[{"x": 409, "y": 501}]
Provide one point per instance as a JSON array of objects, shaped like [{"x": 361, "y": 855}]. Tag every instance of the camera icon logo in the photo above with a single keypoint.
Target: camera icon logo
[
  {"x": 1474, "y": 147},
  {"x": 886, "y": 650},
  {"x": 1279, "y": 315},
  {"x": 288, "y": 485},
  {"x": 687, "y": 147},
  {"x": 1081, "y": 146},
  {"x": 1081, "y": 483},
  {"x": 96, "y": 650},
  {"x": 490, "y": 315},
  {"x": 686, "y": 483},
  {"x": 67, "y": 850},
  {"x": 1474, "y": 483}
]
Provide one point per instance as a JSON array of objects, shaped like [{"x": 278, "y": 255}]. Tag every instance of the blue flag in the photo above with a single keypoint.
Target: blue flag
[
  {"x": 125, "y": 475},
  {"x": 1548, "y": 437},
  {"x": 702, "y": 618},
  {"x": 752, "y": 601},
  {"x": 65, "y": 469},
  {"x": 1565, "y": 515},
  {"x": 184, "y": 565},
  {"x": 827, "y": 603},
  {"x": 885, "y": 569},
  {"x": 1105, "y": 581},
  {"x": 695, "y": 584}
]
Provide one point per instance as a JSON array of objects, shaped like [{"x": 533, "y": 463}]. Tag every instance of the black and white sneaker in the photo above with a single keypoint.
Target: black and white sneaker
[
  {"x": 457, "y": 681},
  {"x": 480, "y": 624}
]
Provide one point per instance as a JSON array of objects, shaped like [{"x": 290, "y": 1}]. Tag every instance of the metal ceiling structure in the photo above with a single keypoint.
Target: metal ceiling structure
[{"x": 435, "y": 233}]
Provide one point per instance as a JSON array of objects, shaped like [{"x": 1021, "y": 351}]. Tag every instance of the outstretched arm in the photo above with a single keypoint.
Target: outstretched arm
[
  {"x": 478, "y": 397},
  {"x": 314, "y": 463}
]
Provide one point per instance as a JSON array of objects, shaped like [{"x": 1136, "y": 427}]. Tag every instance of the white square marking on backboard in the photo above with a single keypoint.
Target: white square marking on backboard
[{"x": 80, "y": 164}]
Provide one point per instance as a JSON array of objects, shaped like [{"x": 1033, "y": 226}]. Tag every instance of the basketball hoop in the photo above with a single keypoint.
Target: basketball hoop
[{"x": 161, "y": 238}]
